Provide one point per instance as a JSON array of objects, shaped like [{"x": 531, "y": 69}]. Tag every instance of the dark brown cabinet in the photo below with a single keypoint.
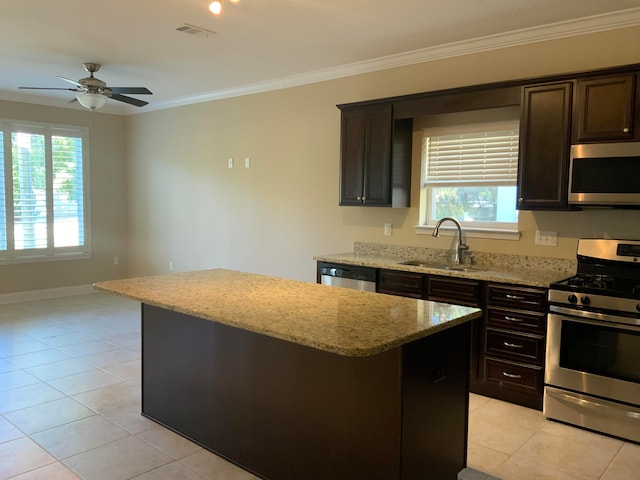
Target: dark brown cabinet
[
  {"x": 507, "y": 343},
  {"x": 512, "y": 358},
  {"x": 605, "y": 108},
  {"x": 543, "y": 166},
  {"x": 375, "y": 157},
  {"x": 403, "y": 284},
  {"x": 454, "y": 290},
  {"x": 459, "y": 291},
  {"x": 467, "y": 292}
]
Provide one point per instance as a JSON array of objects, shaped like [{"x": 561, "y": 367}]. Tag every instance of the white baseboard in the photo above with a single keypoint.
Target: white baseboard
[{"x": 45, "y": 293}]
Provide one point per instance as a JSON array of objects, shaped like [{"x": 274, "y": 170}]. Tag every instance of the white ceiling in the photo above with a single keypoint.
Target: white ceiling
[{"x": 260, "y": 45}]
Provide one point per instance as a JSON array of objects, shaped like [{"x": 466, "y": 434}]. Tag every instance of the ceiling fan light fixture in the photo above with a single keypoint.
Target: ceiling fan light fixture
[{"x": 91, "y": 100}]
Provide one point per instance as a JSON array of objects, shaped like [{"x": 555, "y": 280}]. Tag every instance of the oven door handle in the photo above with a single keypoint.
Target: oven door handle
[{"x": 598, "y": 318}]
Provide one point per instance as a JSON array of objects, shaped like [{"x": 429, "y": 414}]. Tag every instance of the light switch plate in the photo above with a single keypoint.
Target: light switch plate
[{"x": 547, "y": 239}]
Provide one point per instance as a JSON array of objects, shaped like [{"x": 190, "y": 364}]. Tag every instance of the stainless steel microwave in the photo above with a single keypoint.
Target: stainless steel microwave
[{"x": 605, "y": 174}]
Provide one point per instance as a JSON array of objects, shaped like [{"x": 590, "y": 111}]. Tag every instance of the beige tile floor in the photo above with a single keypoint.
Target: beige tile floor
[{"x": 70, "y": 409}]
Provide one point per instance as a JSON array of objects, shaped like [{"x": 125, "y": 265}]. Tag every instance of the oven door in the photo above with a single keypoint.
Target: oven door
[{"x": 594, "y": 357}]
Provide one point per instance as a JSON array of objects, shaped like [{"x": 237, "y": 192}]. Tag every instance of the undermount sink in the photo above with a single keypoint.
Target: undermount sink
[{"x": 428, "y": 264}]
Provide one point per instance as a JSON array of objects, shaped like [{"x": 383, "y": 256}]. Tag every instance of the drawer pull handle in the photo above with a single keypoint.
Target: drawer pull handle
[
  {"x": 511, "y": 375},
  {"x": 514, "y": 297},
  {"x": 511, "y": 345},
  {"x": 513, "y": 319}
]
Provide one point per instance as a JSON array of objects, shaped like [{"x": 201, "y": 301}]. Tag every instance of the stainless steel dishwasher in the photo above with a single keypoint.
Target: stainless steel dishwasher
[{"x": 356, "y": 278}]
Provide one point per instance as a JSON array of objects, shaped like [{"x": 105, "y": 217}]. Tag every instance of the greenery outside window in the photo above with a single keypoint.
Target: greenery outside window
[
  {"x": 43, "y": 192},
  {"x": 470, "y": 174}
]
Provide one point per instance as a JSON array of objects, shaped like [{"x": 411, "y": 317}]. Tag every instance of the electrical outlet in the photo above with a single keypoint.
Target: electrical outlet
[
  {"x": 116, "y": 260},
  {"x": 247, "y": 162},
  {"x": 547, "y": 239},
  {"x": 388, "y": 228},
  {"x": 230, "y": 162}
]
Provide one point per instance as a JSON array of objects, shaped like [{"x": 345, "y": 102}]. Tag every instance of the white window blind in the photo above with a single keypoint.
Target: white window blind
[{"x": 472, "y": 159}]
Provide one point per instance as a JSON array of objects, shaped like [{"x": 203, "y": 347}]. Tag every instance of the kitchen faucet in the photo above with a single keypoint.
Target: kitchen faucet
[{"x": 461, "y": 247}]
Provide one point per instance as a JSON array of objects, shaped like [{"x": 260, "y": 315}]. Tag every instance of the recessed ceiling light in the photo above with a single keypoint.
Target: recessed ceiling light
[{"x": 216, "y": 6}]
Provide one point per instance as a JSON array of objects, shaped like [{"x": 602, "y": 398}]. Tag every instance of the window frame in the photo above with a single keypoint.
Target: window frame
[
  {"x": 496, "y": 230},
  {"x": 11, "y": 255}
]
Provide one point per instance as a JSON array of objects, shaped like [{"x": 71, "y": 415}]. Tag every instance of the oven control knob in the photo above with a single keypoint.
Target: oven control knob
[
  {"x": 585, "y": 300},
  {"x": 572, "y": 298}
]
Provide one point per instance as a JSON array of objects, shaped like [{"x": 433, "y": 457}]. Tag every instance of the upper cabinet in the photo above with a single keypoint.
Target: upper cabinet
[
  {"x": 556, "y": 111},
  {"x": 543, "y": 161},
  {"x": 605, "y": 108},
  {"x": 375, "y": 157}
]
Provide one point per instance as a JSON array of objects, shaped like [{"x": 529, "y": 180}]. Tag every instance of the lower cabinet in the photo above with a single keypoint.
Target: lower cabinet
[
  {"x": 508, "y": 342},
  {"x": 514, "y": 342},
  {"x": 403, "y": 284},
  {"x": 467, "y": 292}
]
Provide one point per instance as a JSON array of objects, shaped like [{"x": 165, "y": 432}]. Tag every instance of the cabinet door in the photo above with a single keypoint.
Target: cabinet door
[
  {"x": 454, "y": 290},
  {"x": 543, "y": 164},
  {"x": 604, "y": 109},
  {"x": 352, "y": 138},
  {"x": 516, "y": 297},
  {"x": 404, "y": 284},
  {"x": 377, "y": 148}
]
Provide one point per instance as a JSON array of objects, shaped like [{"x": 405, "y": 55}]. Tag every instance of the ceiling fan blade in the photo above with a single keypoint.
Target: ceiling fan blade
[
  {"x": 133, "y": 90},
  {"x": 78, "y": 84},
  {"x": 129, "y": 100},
  {"x": 50, "y": 88}
]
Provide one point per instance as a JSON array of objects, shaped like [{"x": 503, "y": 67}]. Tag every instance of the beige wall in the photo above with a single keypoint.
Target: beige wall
[
  {"x": 108, "y": 203},
  {"x": 162, "y": 192},
  {"x": 188, "y": 208}
]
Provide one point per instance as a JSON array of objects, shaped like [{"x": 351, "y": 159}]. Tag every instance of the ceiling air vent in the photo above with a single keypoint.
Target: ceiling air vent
[{"x": 195, "y": 31}]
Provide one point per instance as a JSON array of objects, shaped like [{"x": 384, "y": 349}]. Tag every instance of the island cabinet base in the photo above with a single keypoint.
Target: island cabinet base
[{"x": 284, "y": 411}]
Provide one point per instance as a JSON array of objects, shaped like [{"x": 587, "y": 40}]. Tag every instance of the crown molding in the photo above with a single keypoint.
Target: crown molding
[{"x": 571, "y": 28}]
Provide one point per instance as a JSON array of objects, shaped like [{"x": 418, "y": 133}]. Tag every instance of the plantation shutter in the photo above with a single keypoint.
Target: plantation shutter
[
  {"x": 68, "y": 203},
  {"x": 472, "y": 159},
  {"x": 29, "y": 190},
  {"x": 3, "y": 197}
]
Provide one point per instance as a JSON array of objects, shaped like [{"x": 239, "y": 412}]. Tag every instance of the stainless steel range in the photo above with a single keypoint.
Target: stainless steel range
[{"x": 592, "y": 376}]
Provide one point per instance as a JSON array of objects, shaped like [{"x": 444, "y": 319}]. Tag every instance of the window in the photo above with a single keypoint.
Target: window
[
  {"x": 43, "y": 192},
  {"x": 470, "y": 174}
]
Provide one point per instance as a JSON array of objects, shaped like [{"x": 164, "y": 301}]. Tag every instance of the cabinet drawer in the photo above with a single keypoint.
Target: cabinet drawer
[
  {"x": 406, "y": 284},
  {"x": 524, "y": 348},
  {"x": 517, "y": 297},
  {"x": 532, "y": 322},
  {"x": 513, "y": 375},
  {"x": 453, "y": 290}
]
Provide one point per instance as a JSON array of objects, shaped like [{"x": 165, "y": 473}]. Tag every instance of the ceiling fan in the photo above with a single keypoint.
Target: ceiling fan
[{"x": 93, "y": 92}]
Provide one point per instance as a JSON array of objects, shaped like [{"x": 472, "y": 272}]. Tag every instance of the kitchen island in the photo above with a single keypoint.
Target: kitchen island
[{"x": 293, "y": 380}]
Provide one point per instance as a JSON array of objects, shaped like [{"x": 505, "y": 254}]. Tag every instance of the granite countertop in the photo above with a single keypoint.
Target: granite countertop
[
  {"x": 514, "y": 269},
  {"x": 337, "y": 320}
]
